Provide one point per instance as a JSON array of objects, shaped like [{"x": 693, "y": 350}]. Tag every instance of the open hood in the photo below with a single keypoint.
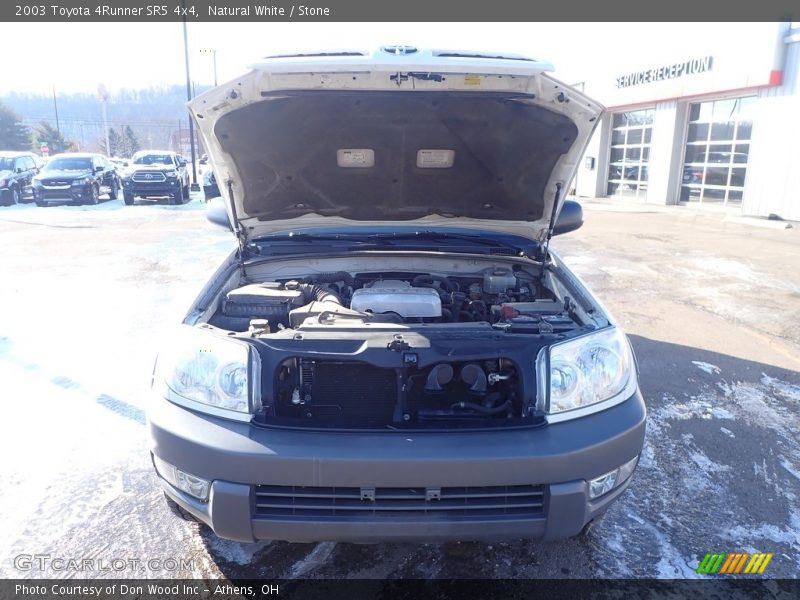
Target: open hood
[{"x": 406, "y": 137}]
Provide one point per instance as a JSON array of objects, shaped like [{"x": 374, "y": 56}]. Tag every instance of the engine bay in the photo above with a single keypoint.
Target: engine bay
[
  {"x": 398, "y": 349},
  {"x": 500, "y": 296}
]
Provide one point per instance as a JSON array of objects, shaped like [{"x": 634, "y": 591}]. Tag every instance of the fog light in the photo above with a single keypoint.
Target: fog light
[
  {"x": 191, "y": 484},
  {"x": 605, "y": 483},
  {"x": 602, "y": 485}
]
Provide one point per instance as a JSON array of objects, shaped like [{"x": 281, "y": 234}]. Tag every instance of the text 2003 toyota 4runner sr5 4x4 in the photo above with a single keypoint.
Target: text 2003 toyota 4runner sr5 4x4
[
  {"x": 156, "y": 173},
  {"x": 394, "y": 352}
]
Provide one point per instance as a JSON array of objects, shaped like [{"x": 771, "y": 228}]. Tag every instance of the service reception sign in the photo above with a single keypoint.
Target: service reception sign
[{"x": 750, "y": 58}]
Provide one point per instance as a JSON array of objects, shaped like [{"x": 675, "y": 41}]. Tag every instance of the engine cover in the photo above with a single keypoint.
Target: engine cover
[{"x": 399, "y": 297}]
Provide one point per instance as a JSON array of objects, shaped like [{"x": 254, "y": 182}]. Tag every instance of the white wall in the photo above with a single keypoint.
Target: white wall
[
  {"x": 590, "y": 183},
  {"x": 772, "y": 185},
  {"x": 666, "y": 152}
]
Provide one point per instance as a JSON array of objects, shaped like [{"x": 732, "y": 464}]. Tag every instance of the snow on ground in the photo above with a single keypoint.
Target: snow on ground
[
  {"x": 77, "y": 343},
  {"x": 683, "y": 492},
  {"x": 706, "y": 367}
]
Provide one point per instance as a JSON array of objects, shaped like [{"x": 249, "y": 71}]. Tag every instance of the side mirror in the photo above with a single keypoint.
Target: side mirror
[
  {"x": 182, "y": 163},
  {"x": 99, "y": 168},
  {"x": 19, "y": 169},
  {"x": 217, "y": 213},
  {"x": 569, "y": 219}
]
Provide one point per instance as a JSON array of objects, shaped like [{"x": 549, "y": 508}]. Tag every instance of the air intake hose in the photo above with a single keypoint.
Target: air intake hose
[{"x": 313, "y": 292}]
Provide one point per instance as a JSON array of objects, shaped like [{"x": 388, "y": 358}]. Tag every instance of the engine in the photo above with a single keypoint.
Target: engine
[{"x": 498, "y": 295}]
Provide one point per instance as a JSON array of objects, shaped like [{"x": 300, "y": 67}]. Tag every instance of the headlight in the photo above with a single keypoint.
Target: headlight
[
  {"x": 212, "y": 373},
  {"x": 84, "y": 181},
  {"x": 34, "y": 181},
  {"x": 3, "y": 182},
  {"x": 588, "y": 370},
  {"x": 172, "y": 173}
]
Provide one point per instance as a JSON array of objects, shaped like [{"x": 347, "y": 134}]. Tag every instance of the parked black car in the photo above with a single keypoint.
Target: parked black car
[
  {"x": 17, "y": 169},
  {"x": 79, "y": 178},
  {"x": 156, "y": 173}
]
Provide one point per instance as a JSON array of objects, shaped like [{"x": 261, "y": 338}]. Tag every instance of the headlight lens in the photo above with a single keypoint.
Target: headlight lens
[
  {"x": 209, "y": 370},
  {"x": 172, "y": 173},
  {"x": 588, "y": 370},
  {"x": 3, "y": 182},
  {"x": 84, "y": 181}
]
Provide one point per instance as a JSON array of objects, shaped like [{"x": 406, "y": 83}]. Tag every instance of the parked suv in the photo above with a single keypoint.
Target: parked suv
[
  {"x": 17, "y": 170},
  {"x": 394, "y": 352},
  {"x": 79, "y": 178},
  {"x": 155, "y": 174}
]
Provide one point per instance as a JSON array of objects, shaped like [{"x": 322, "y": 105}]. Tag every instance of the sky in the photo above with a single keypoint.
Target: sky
[{"x": 77, "y": 57}]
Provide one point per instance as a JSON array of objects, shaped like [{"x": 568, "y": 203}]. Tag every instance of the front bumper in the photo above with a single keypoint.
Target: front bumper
[
  {"x": 73, "y": 193},
  {"x": 158, "y": 188},
  {"x": 559, "y": 458}
]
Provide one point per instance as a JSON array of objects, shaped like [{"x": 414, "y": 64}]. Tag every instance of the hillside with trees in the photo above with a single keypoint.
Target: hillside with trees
[
  {"x": 14, "y": 134},
  {"x": 149, "y": 118}
]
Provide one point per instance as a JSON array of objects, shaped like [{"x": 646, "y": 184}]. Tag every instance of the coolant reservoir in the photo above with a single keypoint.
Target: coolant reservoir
[{"x": 398, "y": 297}]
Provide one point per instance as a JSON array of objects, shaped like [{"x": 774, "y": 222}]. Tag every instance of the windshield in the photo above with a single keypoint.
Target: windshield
[
  {"x": 153, "y": 159},
  {"x": 69, "y": 164},
  {"x": 6, "y": 164}
]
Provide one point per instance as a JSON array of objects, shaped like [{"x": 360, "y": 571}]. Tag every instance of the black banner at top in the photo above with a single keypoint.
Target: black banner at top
[{"x": 153, "y": 11}]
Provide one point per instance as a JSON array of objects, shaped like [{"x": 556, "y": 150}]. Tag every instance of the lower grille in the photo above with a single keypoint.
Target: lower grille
[
  {"x": 57, "y": 194},
  {"x": 348, "y": 503},
  {"x": 154, "y": 186}
]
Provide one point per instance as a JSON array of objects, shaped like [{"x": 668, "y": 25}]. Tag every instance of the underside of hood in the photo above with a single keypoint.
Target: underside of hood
[{"x": 293, "y": 147}]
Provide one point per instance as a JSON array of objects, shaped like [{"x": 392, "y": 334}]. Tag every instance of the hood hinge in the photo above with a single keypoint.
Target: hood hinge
[
  {"x": 551, "y": 227},
  {"x": 237, "y": 228}
]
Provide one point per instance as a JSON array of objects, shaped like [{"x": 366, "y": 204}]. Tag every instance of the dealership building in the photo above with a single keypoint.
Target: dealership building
[{"x": 706, "y": 124}]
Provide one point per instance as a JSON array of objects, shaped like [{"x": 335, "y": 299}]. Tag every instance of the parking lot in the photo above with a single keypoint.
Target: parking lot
[{"x": 712, "y": 307}]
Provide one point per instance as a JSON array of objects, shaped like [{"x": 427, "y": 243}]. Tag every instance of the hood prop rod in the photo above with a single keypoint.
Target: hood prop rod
[
  {"x": 553, "y": 215},
  {"x": 237, "y": 229}
]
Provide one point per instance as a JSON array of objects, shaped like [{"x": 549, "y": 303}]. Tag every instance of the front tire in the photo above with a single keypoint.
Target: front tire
[
  {"x": 15, "y": 197},
  {"x": 176, "y": 197},
  {"x": 112, "y": 193},
  {"x": 94, "y": 195},
  {"x": 127, "y": 198}
]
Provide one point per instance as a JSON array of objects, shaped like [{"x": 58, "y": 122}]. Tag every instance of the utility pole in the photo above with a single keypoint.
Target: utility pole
[
  {"x": 180, "y": 138},
  {"x": 55, "y": 107},
  {"x": 195, "y": 185},
  {"x": 102, "y": 94},
  {"x": 213, "y": 53}
]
